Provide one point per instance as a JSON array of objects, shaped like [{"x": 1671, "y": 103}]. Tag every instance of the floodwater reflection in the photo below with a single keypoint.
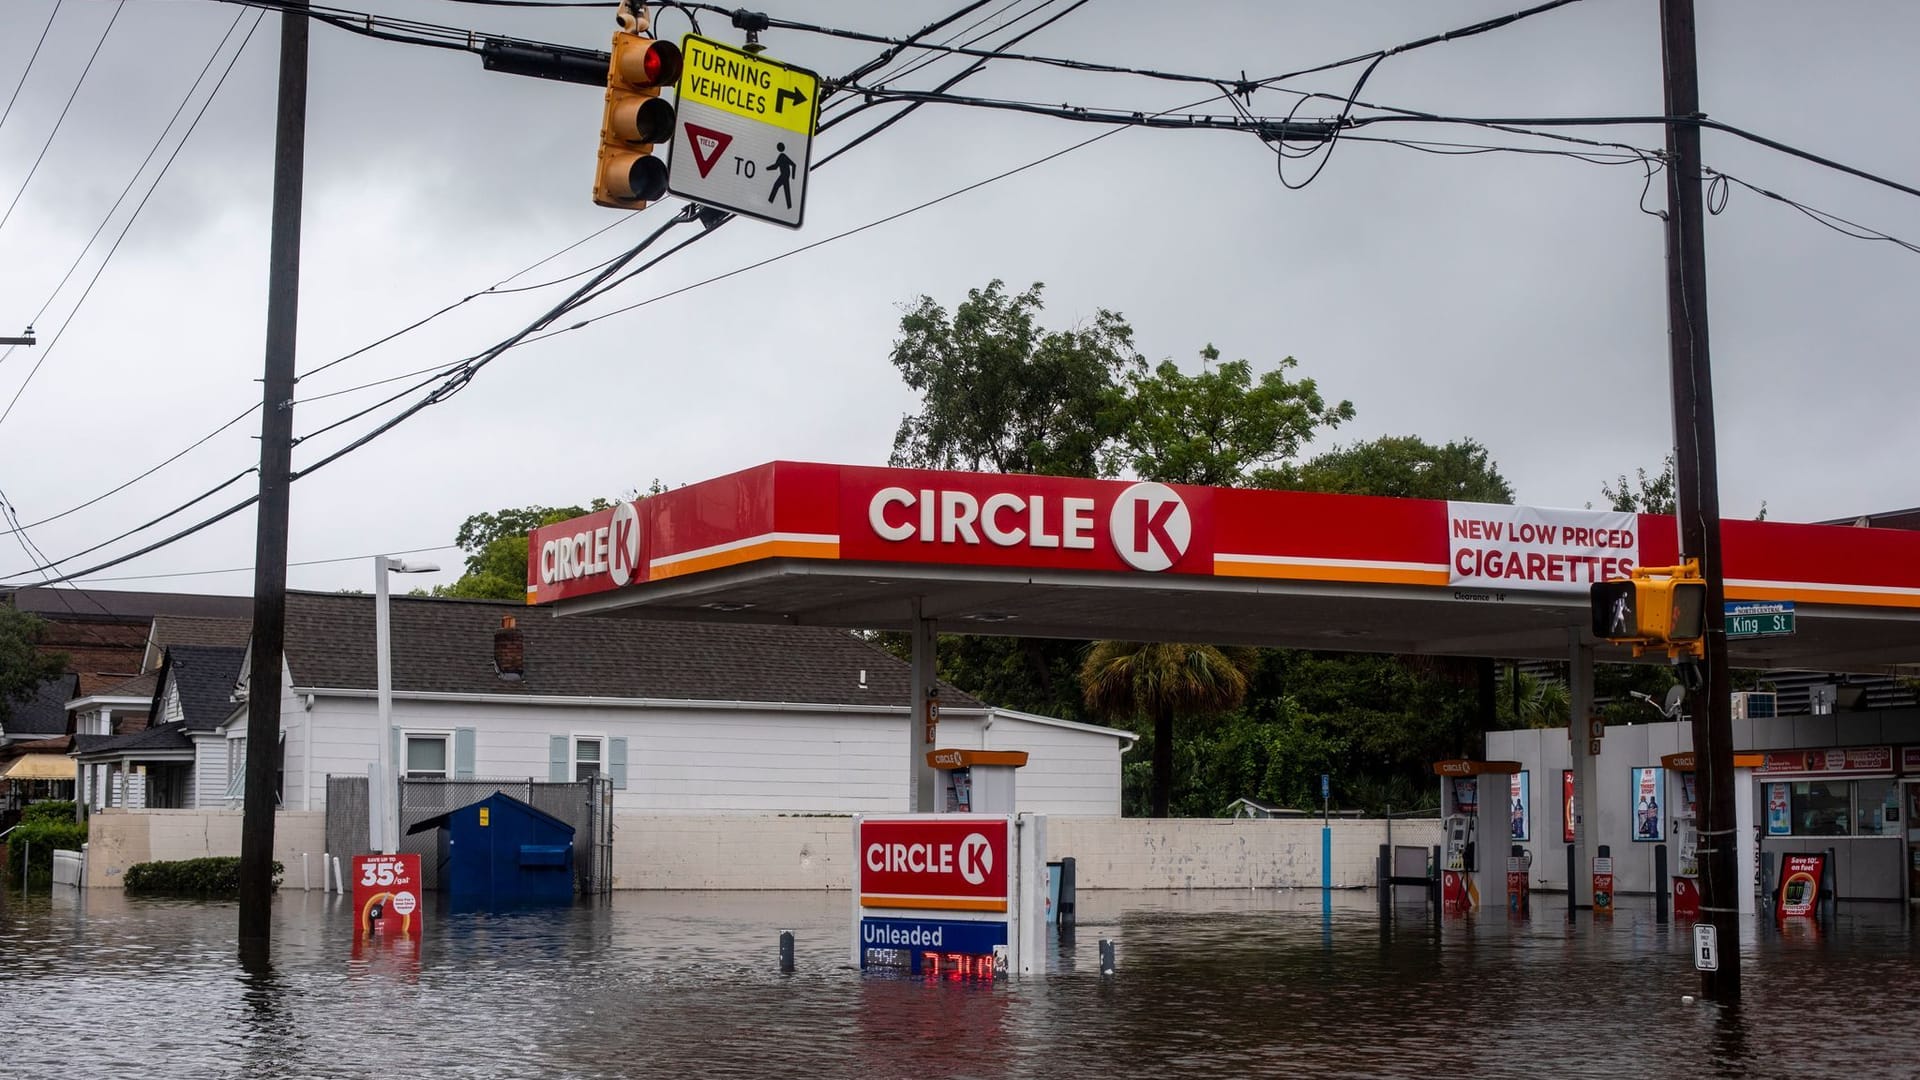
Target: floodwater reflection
[{"x": 1209, "y": 985}]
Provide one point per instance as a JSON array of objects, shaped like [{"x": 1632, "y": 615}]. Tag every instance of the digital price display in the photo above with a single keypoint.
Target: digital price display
[{"x": 935, "y": 948}]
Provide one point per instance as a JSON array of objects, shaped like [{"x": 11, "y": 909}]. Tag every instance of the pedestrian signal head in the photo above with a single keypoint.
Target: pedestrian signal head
[
  {"x": 1657, "y": 606},
  {"x": 629, "y": 175}
]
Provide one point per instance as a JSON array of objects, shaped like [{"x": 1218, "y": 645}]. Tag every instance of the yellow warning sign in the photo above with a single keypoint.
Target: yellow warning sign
[{"x": 748, "y": 86}]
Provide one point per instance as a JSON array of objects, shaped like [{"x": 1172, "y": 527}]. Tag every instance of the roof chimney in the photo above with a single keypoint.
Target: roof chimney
[{"x": 509, "y": 651}]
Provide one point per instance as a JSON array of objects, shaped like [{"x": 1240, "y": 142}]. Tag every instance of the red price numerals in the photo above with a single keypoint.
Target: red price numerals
[{"x": 956, "y": 965}]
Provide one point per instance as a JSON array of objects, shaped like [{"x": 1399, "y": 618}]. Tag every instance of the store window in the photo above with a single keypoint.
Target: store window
[
  {"x": 426, "y": 757},
  {"x": 1822, "y": 808},
  {"x": 588, "y": 758},
  {"x": 1876, "y": 808}
]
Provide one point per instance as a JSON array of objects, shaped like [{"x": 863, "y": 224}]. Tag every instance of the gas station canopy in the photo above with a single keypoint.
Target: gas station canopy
[{"x": 1041, "y": 556}]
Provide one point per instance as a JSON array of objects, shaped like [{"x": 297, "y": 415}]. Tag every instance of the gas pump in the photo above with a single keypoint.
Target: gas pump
[
  {"x": 976, "y": 781},
  {"x": 1477, "y": 827},
  {"x": 1457, "y": 892},
  {"x": 1686, "y": 840}
]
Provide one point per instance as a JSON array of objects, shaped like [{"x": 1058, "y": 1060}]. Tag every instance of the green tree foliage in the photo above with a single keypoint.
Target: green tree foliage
[
  {"x": 1406, "y": 466},
  {"x": 1001, "y": 394},
  {"x": 1223, "y": 425},
  {"x": 1125, "y": 681},
  {"x": 1523, "y": 701},
  {"x": 23, "y": 666},
  {"x": 496, "y": 547},
  {"x": 1644, "y": 494}
]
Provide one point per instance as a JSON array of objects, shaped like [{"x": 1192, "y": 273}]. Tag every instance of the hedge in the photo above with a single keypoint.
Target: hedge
[
  {"x": 218, "y": 876},
  {"x": 60, "y": 810},
  {"x": 36, "y": 838}
]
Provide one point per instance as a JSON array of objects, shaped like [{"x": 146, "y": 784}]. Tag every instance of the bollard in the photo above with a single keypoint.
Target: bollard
[
  {"x": 786, "y": 952},
  {"x": 1572, "y": 891},
  {"x": 1830, "y": 885},
  {"x": 1660, "y": 883},
  {"x": 1383, "y": 875},
  {"x": 1106, "y": 956}
]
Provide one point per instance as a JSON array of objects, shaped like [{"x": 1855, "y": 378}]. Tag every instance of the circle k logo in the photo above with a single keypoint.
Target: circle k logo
[
  {"x": 623, "y": 547},
  {"x": 976, "y": 858},
  {"x": 1150, "y": 526}
]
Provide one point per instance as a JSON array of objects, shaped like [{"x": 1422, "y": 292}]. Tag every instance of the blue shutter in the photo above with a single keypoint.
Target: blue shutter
[
  {"x": 617, "y": 763},
  {"x": 463, "y": 753},
  {"x": 557, "y": 759}
]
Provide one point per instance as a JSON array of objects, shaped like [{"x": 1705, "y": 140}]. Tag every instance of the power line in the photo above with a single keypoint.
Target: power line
[
  {"x": 91, "y": 57},
  {"x": 155, "y": 186},
  {"x": 141, "y": 168},
  {"x": 304, "y": 562},
  {"x": 1717, "y": 201},
  {"x": 15, "y": 96}
]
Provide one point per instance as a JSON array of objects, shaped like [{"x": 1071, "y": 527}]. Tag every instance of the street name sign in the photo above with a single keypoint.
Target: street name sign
[
  {"x": 744, "y": 140},
  {"x": 1759, "y": 618}
]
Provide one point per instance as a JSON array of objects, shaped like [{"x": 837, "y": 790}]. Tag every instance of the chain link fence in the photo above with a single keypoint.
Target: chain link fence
[{"x": 587, "y": 805}]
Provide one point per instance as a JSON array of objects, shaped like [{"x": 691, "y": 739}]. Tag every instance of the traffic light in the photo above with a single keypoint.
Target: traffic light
[
  {"x": 629, "y": 176},
  {"x": 1664, "y": 606}
]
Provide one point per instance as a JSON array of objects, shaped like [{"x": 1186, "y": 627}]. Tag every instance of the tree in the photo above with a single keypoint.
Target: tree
[
  {"x": 1406, "y": 466},
  {"x": 496, "y": 547},
  {"x": 1221, "y": 426},
  {"x": 1125, "y": 680},
  {"x": 1646, "y": 495},
  {"x": 1000, "y": 394},
  {"x": 23, "y": 666}
]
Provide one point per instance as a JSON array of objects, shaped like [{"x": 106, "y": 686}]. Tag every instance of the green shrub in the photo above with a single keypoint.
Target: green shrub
[
  {"x": 60, "y": 810},
  {"x": 216, "y": 876},
  {"x": 33, "y": 842}
]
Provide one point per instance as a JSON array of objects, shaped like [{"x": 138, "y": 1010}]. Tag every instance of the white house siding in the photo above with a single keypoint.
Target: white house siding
[
  {"x": 683, "y": 759},
  {"x": 170, "y": 709},
  {"x": 207, "y": 785}
]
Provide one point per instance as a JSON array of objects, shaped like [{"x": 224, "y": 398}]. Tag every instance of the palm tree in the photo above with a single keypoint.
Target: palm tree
[{"x": 1126, "y": 679}]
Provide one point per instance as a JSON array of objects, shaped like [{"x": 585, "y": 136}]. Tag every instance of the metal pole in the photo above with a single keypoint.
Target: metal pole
[
  {"x": 383, "y": 739},
  {"x": 1697, "y": 491},
  {"x": 923, "y": 717},
  {"x": 276, "y": 462}
]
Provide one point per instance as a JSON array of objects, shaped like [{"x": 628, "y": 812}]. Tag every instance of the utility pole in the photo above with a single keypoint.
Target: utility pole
[
  {"x": 1697, "y": 494},
  {"x": 276, "y": 463}
]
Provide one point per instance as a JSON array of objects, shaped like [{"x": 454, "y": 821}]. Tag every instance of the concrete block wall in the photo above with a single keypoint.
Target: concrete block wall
[
  {"x": 117, "y": 839},
  {"x": 665, "y": 851}
]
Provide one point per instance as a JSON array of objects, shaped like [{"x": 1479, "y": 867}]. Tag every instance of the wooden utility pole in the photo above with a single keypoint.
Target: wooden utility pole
[
  {"x": 1697, "y": 495},
  {"x": 276, "y": 463}
]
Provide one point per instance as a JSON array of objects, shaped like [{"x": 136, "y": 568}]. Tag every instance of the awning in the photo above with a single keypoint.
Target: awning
[{"x": 39, "y": 767}]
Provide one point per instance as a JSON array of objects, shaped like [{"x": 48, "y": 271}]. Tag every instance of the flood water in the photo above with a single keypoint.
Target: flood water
[{"x": 1233, "y": 984}]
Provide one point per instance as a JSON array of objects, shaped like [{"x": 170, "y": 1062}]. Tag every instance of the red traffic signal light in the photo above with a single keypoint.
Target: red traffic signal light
[{"x": 629, "y": 176}]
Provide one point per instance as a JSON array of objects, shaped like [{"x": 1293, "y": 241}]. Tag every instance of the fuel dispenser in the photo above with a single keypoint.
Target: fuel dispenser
[
  {"x": 1476, "y": 828},
  {"x": 976, "y": 781},
  {"x": 1683, "y": 796}
]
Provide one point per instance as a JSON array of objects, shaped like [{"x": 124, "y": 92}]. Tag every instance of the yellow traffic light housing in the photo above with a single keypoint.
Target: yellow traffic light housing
[
  {"x": 1659, "y": 607},
  {"x": 629, "y": 176}
]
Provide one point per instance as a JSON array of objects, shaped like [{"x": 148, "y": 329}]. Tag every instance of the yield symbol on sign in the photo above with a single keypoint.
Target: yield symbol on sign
[{"x": 707, "y": 146}]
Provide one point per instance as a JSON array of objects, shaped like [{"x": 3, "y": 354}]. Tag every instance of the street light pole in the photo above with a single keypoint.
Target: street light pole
[{"x": 383, "y": 784}]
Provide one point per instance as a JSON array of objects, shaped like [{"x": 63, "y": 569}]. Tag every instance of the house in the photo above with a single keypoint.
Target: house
[
  {"x": 682, "y": 717},
  {"x": 33, "y": 746},
  {"x": 179, "y": 759}
]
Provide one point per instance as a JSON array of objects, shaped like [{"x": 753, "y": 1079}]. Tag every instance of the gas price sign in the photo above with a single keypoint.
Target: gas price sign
[
  {"x": 386, "y": 895},
  {"x": 935, "y": 948},
  {"x": 934, "y": 896}
]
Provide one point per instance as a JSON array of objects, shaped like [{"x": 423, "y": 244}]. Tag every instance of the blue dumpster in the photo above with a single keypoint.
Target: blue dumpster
[{"x": 500, "y": 853}]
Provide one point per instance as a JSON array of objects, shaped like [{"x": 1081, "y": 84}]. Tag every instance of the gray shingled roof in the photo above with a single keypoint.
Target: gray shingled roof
[
  {"x": 446, "y": 646},
  {"x": 159, "y": 737},
  {"x": 111, "y": 605},
  {"x": 205, "y": 675},
  {"x": 43, "y": 714}
]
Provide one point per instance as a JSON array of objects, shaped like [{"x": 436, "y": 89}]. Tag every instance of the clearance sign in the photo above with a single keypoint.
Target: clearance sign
[
  {"x": 1463, "y": 551},
  {"x": 949, "y": 863}
]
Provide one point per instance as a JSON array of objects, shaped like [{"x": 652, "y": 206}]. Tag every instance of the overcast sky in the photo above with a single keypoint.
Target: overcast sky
[{"x": 1515, "y": 300}]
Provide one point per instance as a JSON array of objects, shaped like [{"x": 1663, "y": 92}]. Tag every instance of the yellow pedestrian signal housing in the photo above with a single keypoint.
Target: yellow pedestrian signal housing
[
  {"x": 1659, "y": 607},
  {"x": 629, "y": 176}
]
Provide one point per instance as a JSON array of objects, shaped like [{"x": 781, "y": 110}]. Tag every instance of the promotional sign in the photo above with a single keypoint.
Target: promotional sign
[
  {"x": 1779, "y": 811},
  {"x": 1466, "y": 796},
  {"x": 934, "y": 863},
  {"x": 1648, "y": 824},
  {"x": 1518, "y": 900},
  {"x": 386, "y": 895},
  {"x": 1840, "y": 761},
  {"x": 1602, "y": 885},
  {"x": 1910, "y": 759},
  {"x": 1517, "y": 806},
  {"x": 744, "y": 141},
  {"x": 1538, "y": 548},
  {"x": 935, "y": 947},
  {"x": 1567, "y": 811},
  {"x": 1800, "y": 877}
]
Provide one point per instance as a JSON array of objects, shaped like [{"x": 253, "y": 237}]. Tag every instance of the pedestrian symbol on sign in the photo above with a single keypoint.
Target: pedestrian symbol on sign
[{"x": 783, "y": 168}]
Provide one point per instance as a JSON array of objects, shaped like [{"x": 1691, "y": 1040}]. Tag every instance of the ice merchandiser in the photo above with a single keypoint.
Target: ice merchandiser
[
  {"x": 976, "y": 781},
  {"x": 1476, "y": 830}
]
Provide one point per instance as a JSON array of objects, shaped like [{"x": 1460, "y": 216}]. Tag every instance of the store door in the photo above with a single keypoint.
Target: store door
[{"x": 1913, "y": 840}]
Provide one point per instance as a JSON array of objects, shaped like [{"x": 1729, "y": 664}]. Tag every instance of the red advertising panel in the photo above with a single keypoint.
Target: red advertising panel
[
  {"x": 1834, "y": 762},
  {"x": 1799, "y": 885},
  {"x": 934, "y": 863},
  {"x": 386, "y": 895},
  {"x": 1566, "y": 805}
]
